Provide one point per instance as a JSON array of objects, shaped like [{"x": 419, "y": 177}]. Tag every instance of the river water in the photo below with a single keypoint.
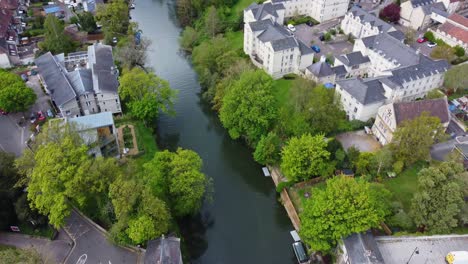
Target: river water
[{"x": 244, "y": 223}]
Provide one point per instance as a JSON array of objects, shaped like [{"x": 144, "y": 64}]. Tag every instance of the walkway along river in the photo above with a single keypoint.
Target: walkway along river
[{"x": 245, "y": 223}]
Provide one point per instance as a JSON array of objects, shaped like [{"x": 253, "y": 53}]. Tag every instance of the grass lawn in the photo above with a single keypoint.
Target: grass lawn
[
  {"x": 405, "y": 185},
  {"x": 145, "y": 139},
  {"x": 297, "y": 194},
  {"x": 281, "y": 90}
]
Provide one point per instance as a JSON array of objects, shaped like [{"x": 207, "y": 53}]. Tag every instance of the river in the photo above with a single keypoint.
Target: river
[{"x": 244, "y": 223}]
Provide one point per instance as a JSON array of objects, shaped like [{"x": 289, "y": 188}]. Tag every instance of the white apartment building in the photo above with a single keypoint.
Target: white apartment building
[
  {"x": 454, "y": 31},
  {"x": 355, "y": 64},
  {"x": 81, "y": 83},
  {"x": 361, "y": 24},
  {"x": 419, "y": 14}
]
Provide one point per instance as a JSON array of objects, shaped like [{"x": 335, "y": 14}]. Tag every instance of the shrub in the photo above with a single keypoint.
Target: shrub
[
  {"x": 332, "y": 31},
  {"x": 327, "y": 36},
  {"x": 398, "y": 166},
  {"x": 429, "y": 36},
  {"x": 283, "y": 185},
  {"x": 402, "y": 220},
  {"x": 459, "y": 51},
  {"x": 290, "y": 76}
]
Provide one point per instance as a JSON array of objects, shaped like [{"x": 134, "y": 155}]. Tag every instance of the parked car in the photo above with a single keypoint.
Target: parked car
[
  {"x": 300, "y": 252},
  {"x": 309, "y": 23},
  {"x": 457, "y": 257},
  {"x": 40, "y": 116},
  {"x": 24, "y": 77},
  {"x": 50, "y": 113},
  {"x": 33, "y": 118},
  {"x": 114, "y": 40},
  {"x": 431, "y": 44},
  {"x": 322, "y": 37},
  {"x": 292, "y": 27},
  {"x": 422, "y": 40},
  {"x": 316, "y": 48}
]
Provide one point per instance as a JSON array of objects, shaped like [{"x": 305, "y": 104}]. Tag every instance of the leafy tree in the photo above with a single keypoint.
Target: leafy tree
[
  {"x": 16, "y": 255},
  {"x": 410, "y": 36},
  {"x": 444, "y": 52},
  {"x": 15, "y": 96},
  {"x": 8, "y": 192},
  {"x": 268, "y": 149},
  {"x": 113, "y": 17},
  {"x": 131, "y": 54},
  {"x": 382, "y": 160},
  {"x": 390, "y": 13},
  {"x": 178, "y": 177},
  {"x": 459, "y": 51},
  {"x": 439, "y": 197},
  {"x": 430, "y": 36},
  {"x": 55, "y": 39},
  {"x": 305, "y": 157},
  {"x": 248, "y": 108},
  {"x": 185, "y": 12},
  {"x": 421, "y": 132},
  {"x": 213, "y": 23},
  {"x": 353, "y": 156},
  {"x": 364, "y": 163},
  {"x": 84, "y": 21},
  {"x": 434, "y": 94},
  {"x": 189, "y": 39},
  {"x": 146, "y": 94},
  {"x": 455, "y": 77},
  {"x": 347, "y": 205},
  {"x": 25, "y": 213}
]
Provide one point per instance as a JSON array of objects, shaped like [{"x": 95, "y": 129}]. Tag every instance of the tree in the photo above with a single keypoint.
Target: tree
[
  {"x": 410, "y": 36},
  {"x": 305, "y": 157},
  {"x": 55, "y": 39},
  {"x": 178, "y": 177},
  {"x": 430, "y": 36},
  {"x": 347, "y": 205},
  {"x": 15, "y": 96},
  {"x": 444, "y": 52},
  {"x": 8, "y": 192},
  {"x": 248, "y": 108},
  {"x": 130, "y": 53},
  {"x": 16, "y": 255},
  {"x": 113, "y": 17},
  {"x": 188, "y": 39},
  {"x": 434, "y": 94},
  {"x": 212, "y": 21},
  {"x": 459, "y": 51},
  {"x": 383, "y": 160},
  {"x": 268, "y": 149},
  {"x": 455, "y": 78},
  {"x": 390, "y": 13},
  {"x": 439, "y": 197},
  {"x": 84, "y": 21},
  {"x": 25, "y": 213},
  {"x": 146, "y": 94},
  {"x": 364, "y": 164},
  {"x": 353, "y": 156},
  {"x": 421, "y": 132},
  {"x": 185, "y": 12}
]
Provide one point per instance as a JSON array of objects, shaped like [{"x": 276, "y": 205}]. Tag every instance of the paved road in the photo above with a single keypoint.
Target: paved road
[
  {"x": 91, "y": 246},
  {"x": 54, "y": 251},
  {"x": 441, "y": 150}
]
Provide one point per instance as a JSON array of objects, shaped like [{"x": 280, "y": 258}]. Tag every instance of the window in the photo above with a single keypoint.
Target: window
[
  {"x": 67, "y": 112},
  {"x": 355, "y": 109},
  {"x": 103, "y": 103},
  {"x": 102, "y": 95},
  {"x": 116, "y": 100},
  {"x": 105, "y": 110}
]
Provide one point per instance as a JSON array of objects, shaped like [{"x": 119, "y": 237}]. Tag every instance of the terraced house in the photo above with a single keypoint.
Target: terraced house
[
  {"x": 81, "y": 83},
  {"x": 361, "y": 24}
]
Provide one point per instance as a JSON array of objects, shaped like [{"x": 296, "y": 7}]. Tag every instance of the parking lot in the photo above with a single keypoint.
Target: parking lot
[{"x": 310, "y": 36}]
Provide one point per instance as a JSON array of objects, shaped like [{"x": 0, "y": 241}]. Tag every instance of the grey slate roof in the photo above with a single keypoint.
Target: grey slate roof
[
  {"x": 104, "y": 69},
  {"x": 98, "y": 120},
  {"x": 53, "y": 75},
  {"x": 417, "y": 3},
  {"x": 304, "y": 48},
  {"x": 279, "y": 37},
  {"x": 353, "y": 58},
  {"x": 425, "y": 67},
  {"x": 81, "y": 81},
  {"x": 398, "y": 35},
  {"x": 439, "y": 9},
  {"x": 366, "y": 91},
  {"x": 392, "y": 49},
  {"x": 321, "y": 69},
  {"x": 340, "y": 71},
  {"x": 370, "y": 18},
  {"x": 263, "y": 10},
  {"x": 363, "y": 249},
  {"x": 163, "y": 251},
  {"x": 285, "y": 43}
]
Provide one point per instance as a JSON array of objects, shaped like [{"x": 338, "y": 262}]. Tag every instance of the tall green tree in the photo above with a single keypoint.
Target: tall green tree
[
  {"x": 85, "y": 21},
  {"x": 347, "y": 205},
  {"x": 305, "y": 157},
  {"x": 422, "y": 132},
  {"x": 114, "y": 18},
  {"x": 439, "y": 198},
  {"x": 8, "y": 192},
  {"x": 15, "y": 96},
  {"x": 268, "y": 150},
  {"x": 146, "y": 94},
  {"x": 248, "y": 108},
  {"x": 55, "y": 39},
  {"x": 189, "y": 39},
  {"x": 455, "y": 77},
  {"x": 213, "y": 23}
]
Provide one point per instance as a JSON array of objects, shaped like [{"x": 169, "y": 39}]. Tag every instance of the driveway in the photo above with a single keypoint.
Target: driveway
[
  {"x": 51, "y": 251},
  {"x": 92, "y": 246},
  {"x": 310, "y": 36},
  {"x": 360, "y": 140}
]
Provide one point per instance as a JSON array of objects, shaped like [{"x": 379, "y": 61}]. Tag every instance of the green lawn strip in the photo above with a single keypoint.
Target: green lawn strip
[
  {"x": 405, "y": 185},
  {"x": 297, "y": 194},
  {"x": 281, "y": 90},
  {"x": 146, "y": 140},
  {"x": 128, "y": 137}
]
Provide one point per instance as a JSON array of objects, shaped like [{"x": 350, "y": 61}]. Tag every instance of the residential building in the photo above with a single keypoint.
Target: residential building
[
  {"x": 322, "y": 72},
  {"x": 81, "y": 83},
  {"x": 360, "y": 248},
  {"x": 98, "y": 132},
  {"x": 355, "y": 64},
  {"x": 390, "y": 116},
  {"x": 163, "y": 250},
  {"x": 454, "y": 31},
  {"x": 54, "y": 9},
  {"x": 360, "y": 24},
  {"x": 272, "y": 47},
  {"x": 419, "y": 14}
]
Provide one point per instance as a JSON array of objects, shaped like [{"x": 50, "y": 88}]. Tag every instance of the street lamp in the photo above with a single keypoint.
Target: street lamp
[{"x": 416, "y": 250}]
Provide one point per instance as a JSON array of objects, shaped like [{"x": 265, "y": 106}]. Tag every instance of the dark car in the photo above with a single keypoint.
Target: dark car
[
  {"x": 309, "y": 23},
  {"x": 33, "y": 118},
  {"x": 300, "y": 252},
  {"x": 322, "y": 37}
]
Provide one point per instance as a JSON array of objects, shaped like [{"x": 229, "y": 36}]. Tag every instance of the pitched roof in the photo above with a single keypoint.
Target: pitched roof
[
  {"x": 9, "y": 4},
  {"x": 53, "y": 74},
  {"x": 366, "y": 91},
  {"x": 103, "y": 68},
  {"x": 279, "y": 37},
  {"x": 454, "y": 31},
  {"x": 164, "y": 251},
  {"x": 263, "y": 10},
  {"x": 5, "y": 21},
  {"x": 416, "y": 3},
  {"x": 353, "y": 58},
  {"x": 425, "y": 67},
  {"x": 459, "y": 19},
  {"x": 304, "y": 48},
  {"x": 81, "y": 81},
  {"x": 363, "y": 249},
  {"x": 321, "y": 69},
  {"x": 411, "y": 110},
  {"x": 340, "y": 71},
  {"x": 392, "y": 49},
  {"x": 93, "y": 121},
  {"x": 366, "y": 17}
]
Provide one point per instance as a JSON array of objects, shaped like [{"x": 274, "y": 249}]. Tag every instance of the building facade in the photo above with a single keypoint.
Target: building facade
[
  {"x": 361, "y": 24},
  {"x": 419, "y": 14},
  {"x": 454, "y": 31}
]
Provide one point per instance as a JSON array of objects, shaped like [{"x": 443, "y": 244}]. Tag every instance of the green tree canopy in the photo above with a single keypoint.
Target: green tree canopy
[
  {"x": 146, "y": 94},
  {"x": 305, "y": 157},
  {"x": 84, "y": 21},
  {"x": 268, "y": 150},
  {"x": 114, "y": 18},
  {"x": 248, "y": 107},
  {"x": 455, "y": 77},
  {"x": 413, "y": 139},
  {"x": 16, "y": 255},
  {"x": 213, "y": 22},
  {"x": 55, "y": 39},
  {"x": 189, "y": 38},
  {"x": 347, "y": 205},
  {"x": 439, "y": 198},
  {"x": 15, "y": 96}
]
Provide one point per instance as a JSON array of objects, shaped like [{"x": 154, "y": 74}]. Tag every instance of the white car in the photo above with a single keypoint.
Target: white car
[
  {"x": 431, "y": 44},
  {"x": 292, "y": 28}
]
